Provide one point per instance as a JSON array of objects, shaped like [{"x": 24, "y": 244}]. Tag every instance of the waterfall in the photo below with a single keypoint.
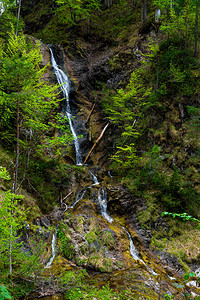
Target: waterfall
[
  {"x": 102, "y": 197},
  {"x": 53, "y": 251},
  {"x": 94, "y": 178},
  {"x": 63, "y": 80},
  {"x": 133, "y": 250}
]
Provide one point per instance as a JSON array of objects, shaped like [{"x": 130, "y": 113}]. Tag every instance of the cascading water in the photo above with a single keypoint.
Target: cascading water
[
  {"x": 133, "y": 250},
  {"x": 102, "y": 197},
  {"x": 63, "y": 80},
  {"x": 1, "y": 8},
  {"x": 53, "y": 251},
  {"x": 94, "y": 178},
  {"x": 79, "y": 196}
]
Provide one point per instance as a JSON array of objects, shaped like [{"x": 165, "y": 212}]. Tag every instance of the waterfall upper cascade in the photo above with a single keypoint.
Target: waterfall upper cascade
[{"x": 64, "y": 81}]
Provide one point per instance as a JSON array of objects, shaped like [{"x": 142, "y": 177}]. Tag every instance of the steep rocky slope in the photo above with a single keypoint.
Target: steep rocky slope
[{"x": 98, "y": 61}]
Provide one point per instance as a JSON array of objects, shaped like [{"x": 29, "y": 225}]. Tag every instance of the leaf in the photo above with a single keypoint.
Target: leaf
[{"x": 186, "y": 276}]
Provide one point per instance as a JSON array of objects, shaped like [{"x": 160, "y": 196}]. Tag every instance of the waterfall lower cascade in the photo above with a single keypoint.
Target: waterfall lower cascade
[
  {"x": 53, "y": 251},
  {"x": 64, "y": 81},
  {"x": 102, "y": 197}
]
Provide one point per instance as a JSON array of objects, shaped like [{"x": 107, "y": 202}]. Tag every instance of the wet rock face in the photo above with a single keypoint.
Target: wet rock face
[
  {"x": 91, "y": 242},
  {"x": 170, "y": 261},
  {"x": 129, "y": 205}
]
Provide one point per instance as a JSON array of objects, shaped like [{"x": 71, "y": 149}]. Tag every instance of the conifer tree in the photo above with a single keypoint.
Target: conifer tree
[{"x": 26, "y": 101}]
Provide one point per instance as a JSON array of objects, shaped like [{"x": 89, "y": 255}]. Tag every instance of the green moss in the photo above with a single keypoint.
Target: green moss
[
  {"x": 108, "y": 240},
  {"x": 65, "y": 244},
  {"x": 80, "y": 224},
  {"x": 91, "y": 237}
]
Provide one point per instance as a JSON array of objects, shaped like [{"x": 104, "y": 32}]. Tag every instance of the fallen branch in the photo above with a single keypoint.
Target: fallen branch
[
  {"x": 64, "y": 205},
  {"x": 90, "y": 113},
  {"x": 67, "y": 195},
  {"x": 102, "y": 133}
]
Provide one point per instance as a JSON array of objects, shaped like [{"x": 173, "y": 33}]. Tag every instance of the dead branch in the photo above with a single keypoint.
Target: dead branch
[
  {"x": 67, "y": 195},
  {"x": 90, "y": 113},
  {"x": 102, "y": 133},
  {"x": 64, "y": 205}
]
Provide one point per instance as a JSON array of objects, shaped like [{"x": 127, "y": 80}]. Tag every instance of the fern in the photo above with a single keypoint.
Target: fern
[{"x": 4, "y": 293}]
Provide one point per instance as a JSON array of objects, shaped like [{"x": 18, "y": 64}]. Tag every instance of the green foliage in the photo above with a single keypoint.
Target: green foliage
[
  {"x": 124, "y": 109},
  {"x": 4, "y": 174},
  {"x": 14, "y": 263},
  {"x": 22, "y": 78},
  {"x": 108, "y": 240},
  {"x": 169, "y": 297},
  {"x": 91, "y": 292},
  {"x": 183, "y": 216},
  {"x": 178, "y": 78},
  {"x": 75, "y": 10},
  {"x": 66, "y": 246},
  {"x": 91, "y": 237},
  {"x": 168, "y": 73},
  {"x": 4, "y": 294},
  {"x": 72, "y": 278},
  {"x": 178, "y": 17}
]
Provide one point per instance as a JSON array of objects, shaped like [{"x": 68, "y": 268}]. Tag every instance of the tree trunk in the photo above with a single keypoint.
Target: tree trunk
[
  {"x": 90, "y": 113},
  {"x": 143, "y": 11},
  {"x": 108, "y": 3},
  {"x": 186, "y": 24},
  {"x": 17, "y": 149},
  {"x": 196, "y": 29},
  {"x": 18, "y": 16},
  {"x": 14, "y": 185},
  {"x": 10, "y": 251}
]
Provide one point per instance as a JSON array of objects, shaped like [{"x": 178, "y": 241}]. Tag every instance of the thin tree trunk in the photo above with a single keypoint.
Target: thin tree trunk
[
  {"x": 186, "y": 25},
  {"x": 10, "y": 251},
  {"x": 90, "y": 113},
  {"x": 142, "y": 11},
  {"x": 145, "y": 10},
  {"x": 196, "y": 29},
  {"x": 14, "y": 185},
  {"x": 18, "y": 16},
  {"x": 17, "y": 154},
  {"x": 102, "y": 133}
]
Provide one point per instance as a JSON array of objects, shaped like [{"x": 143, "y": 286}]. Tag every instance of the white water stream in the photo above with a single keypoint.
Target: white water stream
[
  {"x": 53, "y": 251},
  {"x": 102, "y": 197},
  {"x": 63, "y": 80}
]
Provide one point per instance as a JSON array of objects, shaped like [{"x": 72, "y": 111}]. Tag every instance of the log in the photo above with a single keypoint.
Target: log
[{"x": 100, "y": 136}]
